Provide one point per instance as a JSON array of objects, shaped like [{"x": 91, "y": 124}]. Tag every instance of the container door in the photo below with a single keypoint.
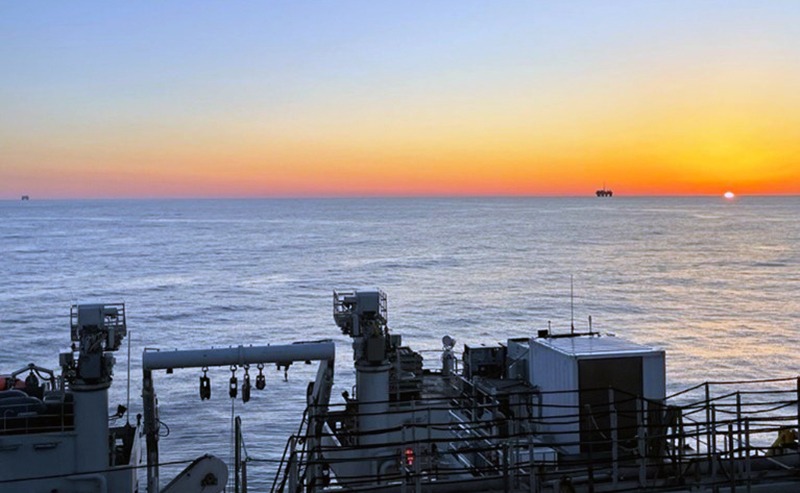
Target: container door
[{"x": 595, "y": 377}]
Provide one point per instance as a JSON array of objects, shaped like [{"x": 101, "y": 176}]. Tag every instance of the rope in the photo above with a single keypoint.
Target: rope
[{"x": 232, "y": 455}]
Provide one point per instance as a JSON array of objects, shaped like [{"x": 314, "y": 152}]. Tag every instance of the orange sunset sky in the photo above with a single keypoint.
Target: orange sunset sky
[{"x": 296, "y": 99}]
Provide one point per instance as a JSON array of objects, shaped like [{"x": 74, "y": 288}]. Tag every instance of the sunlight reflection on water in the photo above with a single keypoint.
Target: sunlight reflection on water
[{"x": 714, "y": 283}]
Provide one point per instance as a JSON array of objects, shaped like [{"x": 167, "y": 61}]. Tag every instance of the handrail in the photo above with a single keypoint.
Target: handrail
[
  {"x": 731, "y": 382},
  {"x": 290, "y": 442},
  {"x": 650, "y": 439},
  {"x": 10, "y": 424}
]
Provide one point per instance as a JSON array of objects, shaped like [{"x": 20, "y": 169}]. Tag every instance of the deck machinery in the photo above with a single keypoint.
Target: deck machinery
[
  {"x": 55, "y": 435},
  {"x": 549, "y": 413}
]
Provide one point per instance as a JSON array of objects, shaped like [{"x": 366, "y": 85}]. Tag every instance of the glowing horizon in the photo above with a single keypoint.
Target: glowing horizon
[{"x": 411, "y": 99}]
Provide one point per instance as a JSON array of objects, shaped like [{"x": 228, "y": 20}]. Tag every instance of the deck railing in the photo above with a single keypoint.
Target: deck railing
[
  {"x": 29, "y": 423},
  {"x": 713, "y": 439}
]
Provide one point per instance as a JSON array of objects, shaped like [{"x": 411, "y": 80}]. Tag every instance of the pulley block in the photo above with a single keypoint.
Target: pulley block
[
  {"x": 233, "y": 387},
  {"x": 246, "y": 384},
  {"x": 205, "y": 385},
  {"x": 246, "y": 389},
  {"x": 261, "y": 381}
]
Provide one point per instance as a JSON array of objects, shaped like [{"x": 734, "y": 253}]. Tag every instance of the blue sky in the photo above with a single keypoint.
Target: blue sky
[{"x": 78, "y": 74}]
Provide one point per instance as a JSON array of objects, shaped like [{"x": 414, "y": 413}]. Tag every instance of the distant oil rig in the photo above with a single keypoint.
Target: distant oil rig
[{"x": 604, "y": 192}]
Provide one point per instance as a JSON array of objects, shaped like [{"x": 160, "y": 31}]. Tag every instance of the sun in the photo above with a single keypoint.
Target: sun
[{"x": 729, "y": 195}]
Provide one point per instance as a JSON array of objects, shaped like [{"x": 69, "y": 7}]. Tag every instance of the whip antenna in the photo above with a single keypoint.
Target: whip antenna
[
  {"x": 128, "y": 419},
  {"x": 571, "y": 305}
]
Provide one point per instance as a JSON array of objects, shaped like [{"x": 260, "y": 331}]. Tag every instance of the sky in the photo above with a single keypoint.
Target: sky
[{"x": 409, "y": 98}]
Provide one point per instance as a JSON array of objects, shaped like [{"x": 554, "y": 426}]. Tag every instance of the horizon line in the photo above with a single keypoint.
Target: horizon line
[{"x": 382, "y": 196}]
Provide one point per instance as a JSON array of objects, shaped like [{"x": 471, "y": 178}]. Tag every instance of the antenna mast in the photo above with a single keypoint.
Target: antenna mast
[
  {"x": 571, "y": 305},
  {"x": 128, "y": 411}
]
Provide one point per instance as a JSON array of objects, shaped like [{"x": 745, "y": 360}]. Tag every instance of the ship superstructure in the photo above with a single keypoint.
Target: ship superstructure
[
  {"x": 55, "y": 433},
  {"x": 550, "y": 412},
  {"x": 547, "y": 412}
]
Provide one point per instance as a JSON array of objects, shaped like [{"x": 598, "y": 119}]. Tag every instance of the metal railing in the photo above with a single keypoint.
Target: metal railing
[
  {"x": 624, "y": 443},
  {"x": 12, "y": 423}
]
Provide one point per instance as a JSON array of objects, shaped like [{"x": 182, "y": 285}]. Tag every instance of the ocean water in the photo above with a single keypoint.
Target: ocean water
[{"x": 714, "y": 282}]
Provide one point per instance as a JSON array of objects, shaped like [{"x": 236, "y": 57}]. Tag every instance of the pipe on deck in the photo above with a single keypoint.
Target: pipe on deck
[{"x": 240, "y": 355}]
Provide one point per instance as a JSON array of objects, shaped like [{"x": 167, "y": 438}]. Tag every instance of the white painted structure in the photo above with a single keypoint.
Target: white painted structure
[
  {"x": 57, "y": 437},
  {"x": 324, "y": 351},
  {"x": 565, "y": 368}
]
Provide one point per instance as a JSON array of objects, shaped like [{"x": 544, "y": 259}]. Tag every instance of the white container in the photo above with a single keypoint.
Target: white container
[{"x": 575, "y": 372}]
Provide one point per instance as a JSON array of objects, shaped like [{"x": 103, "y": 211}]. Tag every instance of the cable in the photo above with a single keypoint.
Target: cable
[
  {"x": 165, "y": 426},
  {"x": 99, "y": 471}
]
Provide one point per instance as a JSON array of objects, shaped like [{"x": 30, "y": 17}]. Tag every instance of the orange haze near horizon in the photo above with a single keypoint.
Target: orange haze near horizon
[{"x": 504, "y": 100}]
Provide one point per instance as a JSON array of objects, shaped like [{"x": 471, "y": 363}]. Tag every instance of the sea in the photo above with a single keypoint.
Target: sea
[{"x": 714, "y": 282}]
